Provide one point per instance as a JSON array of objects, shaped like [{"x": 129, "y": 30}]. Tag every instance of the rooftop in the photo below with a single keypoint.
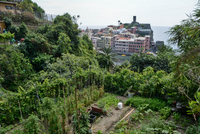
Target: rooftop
[
  {"x": 145, "y": 30},
  {"x": 99, "y": 32},
  {"x": 8, "y": 2},
  {"x": 140, "y": 38}
]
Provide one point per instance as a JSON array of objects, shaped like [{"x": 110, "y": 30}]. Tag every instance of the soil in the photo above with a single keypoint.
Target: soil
[{"x": 106, "y": 123}]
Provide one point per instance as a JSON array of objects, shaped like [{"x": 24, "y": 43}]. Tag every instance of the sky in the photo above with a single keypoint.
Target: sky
[{"x": 108, "y": 12}]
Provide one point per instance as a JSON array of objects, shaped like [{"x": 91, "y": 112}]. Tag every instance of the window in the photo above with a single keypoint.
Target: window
[{"x": 9, "y": 7}]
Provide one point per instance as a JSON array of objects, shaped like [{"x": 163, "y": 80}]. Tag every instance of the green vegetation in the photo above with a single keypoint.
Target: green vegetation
[
  {"x": 48, "y": 81},
  {"x": 160, "y": 62},
  {"x": 176, "y": 116},
  {"x": 165, "y": 112},
  {"x": 107, "y": 101},
  {"x": 158, "y": 126},
  {"x": 154, "y": 104},
  {"x": 4, "y": 38},
  {"x": 106, "y": 58},
  {"x": 142, "y": 111},
  {"x": 29, "y": 5}
]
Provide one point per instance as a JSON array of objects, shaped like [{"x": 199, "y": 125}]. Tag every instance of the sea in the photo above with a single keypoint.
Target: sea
[{"x": 159, "y": 34}]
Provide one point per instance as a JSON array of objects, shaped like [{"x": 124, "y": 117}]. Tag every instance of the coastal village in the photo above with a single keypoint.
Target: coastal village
[
  {"x": 125, "y": 38},
  {"x": 56, "y": 78}
]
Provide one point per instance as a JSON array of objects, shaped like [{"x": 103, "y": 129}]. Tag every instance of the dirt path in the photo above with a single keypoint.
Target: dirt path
[{"x": 106, "y": 123}]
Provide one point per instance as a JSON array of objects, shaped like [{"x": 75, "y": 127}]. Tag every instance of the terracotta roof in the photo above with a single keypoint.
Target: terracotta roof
[
  {"x": 123, "y": 38},
  {"x": 99, "y": 33},
  {"x": 8, "y": 2}
]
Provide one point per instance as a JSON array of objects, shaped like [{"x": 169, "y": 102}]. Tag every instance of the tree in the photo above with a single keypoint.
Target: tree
[
  {"x": 141, "y": 61},
  {"x": 26, "y": 5},
  {"x": 8, "y": 23},
  {"x": 37, "y": 8},
  {"x": 124, "y": 65},
  {"x": 106, "y": 58},
  {"x": 36, "y": 48},
  {"x": 63, "y": 45},
  {"x": 14, "y": 29},
  {"x": 14, "y": 67},
  {"x": 160, "y": 62},
  {"x": 88, "y": 41},
  {"x": 164, "y": 48},
  {"x": 186, "y": 35},
  {"x": 22, "y": 31}
]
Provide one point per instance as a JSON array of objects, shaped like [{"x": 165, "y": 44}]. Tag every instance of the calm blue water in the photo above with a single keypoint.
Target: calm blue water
[{"x": 159, "y": 33}]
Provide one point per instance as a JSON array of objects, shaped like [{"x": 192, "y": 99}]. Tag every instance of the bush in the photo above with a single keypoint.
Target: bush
[
  {"x": 32, "y": 125},
  {"x": 28, "y": 17},
  {"x": 192, "y": 129},
  {"x": 108, "y": 100},
  {"x": 23, "y": 30},
  {"x": 8, "y": 23},
  {"x": 165, "y": 112},
  {"x": 14, "y": 29},
  {"x": 154, "y": 104},
  {"x": 158, "y": 126}
]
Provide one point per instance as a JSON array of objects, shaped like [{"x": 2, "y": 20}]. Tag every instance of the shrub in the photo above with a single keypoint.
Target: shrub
[
  {"x": 23, "y": 30},
  {"x": 83, "y": 126},
  {"x": 176, "y": 116},
  {"x": 32, "y": 125},
  {"x": 8, "y": 23},
  {"x": 28, "y": 17},
  {"x": 99, "y": 132},
  {"x": 108, "y": 100},
  {"x": 14, "y": 29},
  {"x": 165, "y": 112},
  {"x": 192, "y": 129},
  {"x": 154, "y": 104}
]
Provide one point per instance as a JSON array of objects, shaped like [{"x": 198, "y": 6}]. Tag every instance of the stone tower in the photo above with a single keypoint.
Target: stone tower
[{"x": 134, "y": 19}]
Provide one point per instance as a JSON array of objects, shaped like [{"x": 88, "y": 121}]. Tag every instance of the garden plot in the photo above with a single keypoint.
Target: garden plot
[
  {"x": 106, "y": 123},
  {"x": 153, "y": 116}
]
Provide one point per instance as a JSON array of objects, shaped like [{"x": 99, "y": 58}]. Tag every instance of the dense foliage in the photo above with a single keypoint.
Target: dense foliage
[
  {"x": 29, "y": 5},
  {"x": 14, "y": 68},
  {"x": 154, "y": 104},
  {"x": 160, "y": 62},
  {"x": 43, "y": 77}
]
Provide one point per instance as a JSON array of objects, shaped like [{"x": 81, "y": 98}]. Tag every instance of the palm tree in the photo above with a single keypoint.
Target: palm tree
[
  {"x": 106, "y": 57},
  {"x": 119, "y": 22}
]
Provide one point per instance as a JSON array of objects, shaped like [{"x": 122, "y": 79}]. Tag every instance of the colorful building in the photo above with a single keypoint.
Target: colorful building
[
  {"x": 9, "y": 7},
  {"x": 2, "y": 26}
]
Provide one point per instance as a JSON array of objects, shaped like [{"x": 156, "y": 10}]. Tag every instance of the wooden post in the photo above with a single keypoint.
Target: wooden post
[
  {"x": 38, "y": 100},
  {"x": 90, "y": 81},
  {"x": 103, "y": 80},
  {"x": 125, "y": 94},
  {"x": 20, "y": 110},
  {"x": 59, "y": 91},
  {"x": 76, "y": 105}
]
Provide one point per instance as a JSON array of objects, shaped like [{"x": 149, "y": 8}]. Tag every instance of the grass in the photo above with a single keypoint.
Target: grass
[{"x": 108, "y": 101}]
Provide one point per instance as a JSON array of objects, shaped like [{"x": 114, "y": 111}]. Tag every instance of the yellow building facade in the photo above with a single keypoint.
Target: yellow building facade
[
  {"x": 2, "y": 26},
  {"x": 8, "y": 7}
]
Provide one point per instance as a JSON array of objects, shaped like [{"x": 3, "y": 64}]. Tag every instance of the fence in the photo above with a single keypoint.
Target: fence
[{"x": 44, "y": 16}]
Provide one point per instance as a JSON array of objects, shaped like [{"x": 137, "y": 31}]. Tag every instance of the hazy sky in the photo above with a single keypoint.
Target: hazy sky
[{"x": 106, "y": 12}]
